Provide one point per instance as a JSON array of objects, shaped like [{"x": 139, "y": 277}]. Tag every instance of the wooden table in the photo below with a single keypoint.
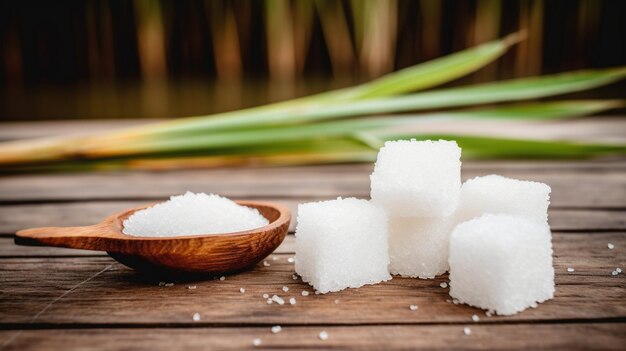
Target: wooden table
[{"x": 69, "y": 299}]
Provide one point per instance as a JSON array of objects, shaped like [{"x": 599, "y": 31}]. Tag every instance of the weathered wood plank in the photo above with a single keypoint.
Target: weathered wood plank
[
  {"x": 586, "y": 336},
  {"x": 114, "y": 294},
  {"x": 17, "y": 217},
  {"x": 594, "y": 188}
]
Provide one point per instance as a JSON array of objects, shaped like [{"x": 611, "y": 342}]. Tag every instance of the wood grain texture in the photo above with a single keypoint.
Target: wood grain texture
[
  {"x": 214, "y": 253},
  {"x": 119, "y": 295},
  {"x": 585, "y": 336},
  {"x": 571, "y": 188}
]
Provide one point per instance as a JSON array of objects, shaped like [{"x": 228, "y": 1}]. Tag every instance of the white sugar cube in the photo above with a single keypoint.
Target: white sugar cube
[
  {"x": 501, "y": 263},
  {"x": 417, "y": 178},
  {"x": 418, "y": 247},
  {"x": 497, "y": 194},
  {"x": 341, "y": 243}
]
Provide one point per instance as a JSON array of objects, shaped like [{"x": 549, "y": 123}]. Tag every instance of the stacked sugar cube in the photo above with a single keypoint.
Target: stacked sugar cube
[
  {"x": 491, "y": 233},
  {"x": 417, "y": 183}
]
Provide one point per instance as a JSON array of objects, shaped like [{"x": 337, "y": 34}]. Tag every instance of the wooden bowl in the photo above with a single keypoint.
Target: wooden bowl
[{"x": 206, "y": 254}]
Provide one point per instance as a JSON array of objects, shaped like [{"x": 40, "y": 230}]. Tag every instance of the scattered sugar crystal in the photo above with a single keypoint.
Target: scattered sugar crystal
[
  {"x": 242, "y": 290},
  {"x": 266, "y": 296},
  {"x": 618, "y": 270},
  {"x": 488, "y": 314},
  {"x": 323, "y": 335},
  {"x": 294, "y": 277},
  {"x": 413, "y": 307},
  {"x": 443, "y": 285},
  {"x": 279, "y": 300},
  {"x": 501, "y": 263},
  {"x": 276, "y": 329},
  {"x": 196, "y": 317},
  {"x": 614, "y": 273},
  {"x": 266, "y": 264},
  {"x": 222, "y": 278},
  {"x": 475, "y": 318},
  {"x": 269, "y": 301},
  {"x": 305, "y": 293},
  {"x": 570, "y": 269},
  {"x": 437, "y": 166},
  {"x": 285, "y": 288},
  {"x": 161, "y": 283},
  {"x": 610, "y": 246},
  {"x": 191, "y": 287},
  {"x": 467, "y": 331},
  {"x": 274, "y": 258},
  {"x": 455, "y": 301},
  {"x": 256, "y": 342},
  {"x": 292, "y": 301},
  {"x": 193, "y": 214},
  {"x": 341, "y": 243},
  {"x": 291, "y": 260},
  {"x": 169, "y": 284},
  {"x": 496, "y": 194},
  {"x": 418, "y": 247}
]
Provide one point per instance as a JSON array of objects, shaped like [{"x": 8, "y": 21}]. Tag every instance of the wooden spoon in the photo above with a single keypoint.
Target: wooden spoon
[{"x": 210, "y": 253}]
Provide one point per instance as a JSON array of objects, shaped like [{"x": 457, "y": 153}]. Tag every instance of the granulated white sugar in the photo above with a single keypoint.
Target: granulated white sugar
[
  {"x": 443, "y": 285},
  {"x": 614, "y": 273},
  {"x": 570, "y": 269},
  {"x": 242, "y": 290},
  {"x": 610, "y": 246},
  {"x": 193, "y": 214},
  {"x": 291, "y": 260},
  {"x": 285, "y": 288},
  {"x": 265, "y": 296},
  {"x": 256, "y": 342},
  {"x": 323, "y": 335},
  {"x": 279, "y": 300},
  {"x": 618, "y": 270},
  {"x": 276, "y": 329},
  {"x": 196, "y": 317},
  {"x": 266, "y": 264},
  {"x": 413, "y": 307},
  {"x": 305, "y": 293},
  {"x": 191, "y": 287},
  {"x": 292, "y": 300},
  {"x": 269, "y": 301},
  {"x": 222, "y": 278},
  {"x": 417, "y": 178},
  {"x": 467, "y": 331},
  {"x": 341, "y": 243},
  {"x": 497, "y": 194},
  {"x": 501, "y": 263},
  {"x": 475, "y": 318}
]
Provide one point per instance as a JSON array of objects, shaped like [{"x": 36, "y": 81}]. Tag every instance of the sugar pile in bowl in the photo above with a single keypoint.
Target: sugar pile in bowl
[{"x": 193, "y": 214}]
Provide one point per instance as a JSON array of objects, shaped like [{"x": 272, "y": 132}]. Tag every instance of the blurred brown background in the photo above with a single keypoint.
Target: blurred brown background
[{"x": 135, "y": 59}]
